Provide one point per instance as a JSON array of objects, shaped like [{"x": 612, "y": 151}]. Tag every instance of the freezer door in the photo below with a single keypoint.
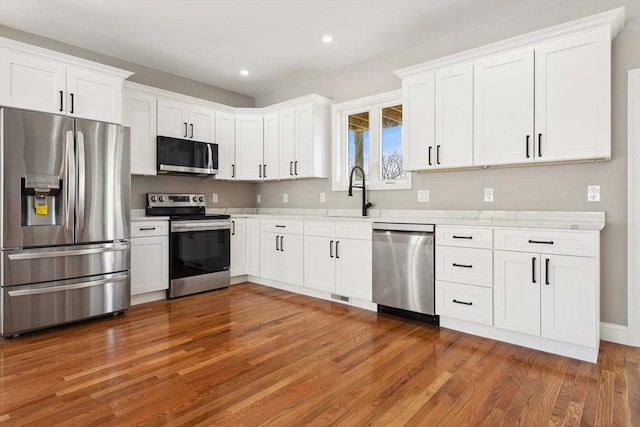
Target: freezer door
[
  {"x": 29, "y": 307},
  {"x": 24, "y": 266},
  {"x": 36, "y": 145},
  {"x": 104, "y": 182}
]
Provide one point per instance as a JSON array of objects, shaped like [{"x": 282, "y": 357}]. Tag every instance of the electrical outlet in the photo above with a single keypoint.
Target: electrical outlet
[
  {"x": 593, "y": 193},
  {"x": 285, "y": 198},
  {"x": 214, "y": 198},
  {"x": 423, "y": 196},
  {"x": 488, "y": 194},
  {"x": 259, "y": 198},
  {"x": 323, "y": 198}
]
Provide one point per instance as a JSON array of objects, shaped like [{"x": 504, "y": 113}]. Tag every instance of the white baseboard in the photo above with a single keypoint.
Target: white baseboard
[{"x": 611, "y": 332}]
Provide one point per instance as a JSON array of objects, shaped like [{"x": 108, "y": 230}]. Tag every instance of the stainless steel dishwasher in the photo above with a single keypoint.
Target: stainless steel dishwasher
[{"x": 403, "y": 269}]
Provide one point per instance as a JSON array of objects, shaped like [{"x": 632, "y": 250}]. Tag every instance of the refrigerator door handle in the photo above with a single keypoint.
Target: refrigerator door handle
[
  {"x": 81, "y": 183},
  {"x": 70, "y": 184},
  {"x": 57, "y": 254},
  {"x": 25, "y": 292}
]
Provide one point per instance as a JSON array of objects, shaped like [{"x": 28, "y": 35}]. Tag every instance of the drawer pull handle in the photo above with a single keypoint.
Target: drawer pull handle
[
  {"x": 542, "y": 242},
  {"x": 281, "y": 226},
  {"x": 147, "y": 228},
  {"x": 462, "y": 237},
  {"x": 463, "y": 265},
  {"x": 462, "y": 302}
]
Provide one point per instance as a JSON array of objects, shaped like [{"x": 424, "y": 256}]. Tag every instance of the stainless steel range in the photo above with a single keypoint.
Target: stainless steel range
[{"x": 199, "y": 244}]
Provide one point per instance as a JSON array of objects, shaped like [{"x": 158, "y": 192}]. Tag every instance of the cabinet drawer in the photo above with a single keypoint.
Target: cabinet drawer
[
  {"x": 282, "y": 226},
  {"x": 465, "y": 265},
  {"x": 319, "y": 228},
  {"x": 466, "y": 237},
  {"x": 149, "y": 228},
  {"x": 465, "y": 302},
  {"x": 580, "y": 243},
  {"x": 354, "y": 230}
]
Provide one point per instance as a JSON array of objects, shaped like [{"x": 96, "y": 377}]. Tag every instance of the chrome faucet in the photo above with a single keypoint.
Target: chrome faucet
[{"x": 365, "y": 205}]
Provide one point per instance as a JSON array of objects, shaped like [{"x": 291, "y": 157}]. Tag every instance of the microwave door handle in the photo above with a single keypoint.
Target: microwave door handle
[
  {"x": 209, "y": 157},
  {"x": 81, "y": 183},
  {"x": 70, "y": 184}
]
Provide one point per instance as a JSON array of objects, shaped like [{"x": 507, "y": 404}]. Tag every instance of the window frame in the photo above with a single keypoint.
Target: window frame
[{"x": 340, "y": 141}]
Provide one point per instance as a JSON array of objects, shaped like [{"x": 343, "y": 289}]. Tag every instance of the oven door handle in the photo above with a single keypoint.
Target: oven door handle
[{"x": 204, "y": 226}]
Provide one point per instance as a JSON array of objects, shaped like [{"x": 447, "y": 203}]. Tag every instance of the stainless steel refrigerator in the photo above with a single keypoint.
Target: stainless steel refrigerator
[{"x": 65, "y": 211}]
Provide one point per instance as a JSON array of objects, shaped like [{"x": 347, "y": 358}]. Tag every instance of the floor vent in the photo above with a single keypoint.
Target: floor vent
[{"x": 340, "y": 297}]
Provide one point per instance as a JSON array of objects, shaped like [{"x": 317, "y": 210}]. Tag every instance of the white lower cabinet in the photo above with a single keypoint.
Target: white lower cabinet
[
  {"x": 281, "y": 251},
  {"x": 238, "y": 247},
  {"x": 149, "y": 256},
  {"x": 338, "y": 264},
  {"x": 253, "y": 246},
  {"x": 466, "y": 302}
]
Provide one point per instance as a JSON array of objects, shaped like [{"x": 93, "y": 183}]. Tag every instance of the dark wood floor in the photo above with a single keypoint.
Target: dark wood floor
[{"x": 251, "y": 355}]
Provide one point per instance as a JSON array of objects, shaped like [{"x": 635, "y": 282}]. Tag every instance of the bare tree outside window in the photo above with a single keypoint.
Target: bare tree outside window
[
  {"x": 392, "y": 144},
  {"x": 359, "y": 143}
]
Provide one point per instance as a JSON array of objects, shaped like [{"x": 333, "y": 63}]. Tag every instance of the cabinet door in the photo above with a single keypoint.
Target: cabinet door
[
  {"x": 271, "y": 148},
  {"x": 173, "y": 119},
  {"x": 573, "y": 97},
  {"x": 354, "y": 268},
  {"x": 253, "y": 246},
  {"x": 226, "y": 140},
  {"x": 287, "y": 143},
  {"x": 503, "y": 109},
  {"x": 305, "y": 144},
  {"x": 94, "y": 96},
  {"x": 271, "y": 264},
  {"x": 516, "y": 291},
  {"x": 202, "y": 124},
  {"x": 418, "y": 133},
  {"x": 292, "y": 250},
  {"x": 570, "y": 299},
  {"x": 319, "y": 263},
  {"x": 32, "y": 83},
  {"x": 454, "y": 117},
  {"x": 249, "y": 138},
  {"x": 139, "y": 113},
  {"x": 149, "y": 264},
  {"x": 238, "y": 247}
]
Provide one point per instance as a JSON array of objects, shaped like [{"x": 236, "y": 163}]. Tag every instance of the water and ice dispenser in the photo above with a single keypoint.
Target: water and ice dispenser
[{"x": 42, "y": 200}]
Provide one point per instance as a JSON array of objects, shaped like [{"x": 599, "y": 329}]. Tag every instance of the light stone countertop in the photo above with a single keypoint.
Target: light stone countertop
[{"x": 520, "y": 219}]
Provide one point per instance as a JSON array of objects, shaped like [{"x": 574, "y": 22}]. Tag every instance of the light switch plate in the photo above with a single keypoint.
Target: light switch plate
[
  {"x": 285, "y": 198},
  {"x": 214, "y": 198},
  {"x": 593, "y": 193},
  {"x": 323, "y": 198},
  {"x": 259, "y": 198},
  {"x": 488, "y": 194},
  {"x": 423, "y": 196}
]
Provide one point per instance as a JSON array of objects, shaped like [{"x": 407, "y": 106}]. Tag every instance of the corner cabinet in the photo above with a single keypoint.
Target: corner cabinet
[
  {"x": 43, "y": 80},
  {"x": 139, "y": 114},
  {"x": 543, "y": 97}
]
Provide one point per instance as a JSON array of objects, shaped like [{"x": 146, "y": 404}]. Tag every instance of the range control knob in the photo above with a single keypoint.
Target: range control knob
[
  {"x": 195, "y": 199},
  {"x": 153, "y": 198},
  {"x": 201, "y": 199},
  {"x": 161, "y": 198}
]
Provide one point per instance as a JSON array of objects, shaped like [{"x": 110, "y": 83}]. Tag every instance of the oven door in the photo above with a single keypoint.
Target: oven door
[
  {"x": 200, "y": 256},
  {"x": 183, "y": 156}
]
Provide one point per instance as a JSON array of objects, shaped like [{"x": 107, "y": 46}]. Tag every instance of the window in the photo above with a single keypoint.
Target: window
[{"x": 368, "y": 133}]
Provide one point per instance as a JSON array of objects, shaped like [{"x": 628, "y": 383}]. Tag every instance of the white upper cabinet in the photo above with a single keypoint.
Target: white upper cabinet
[
  {"x": 249, "y": 147},
  {"x": 438, "y": 119},
  {"x": 503, "y": 109},
  {"x": 287, "y": 142},
  {"x": 270, "y": 155},
  {"x": 181, "y": 120},
  {"x": 537, "y": 98},
  {"x": 139, "y": 114},
  {"x": 226, "y": 140},
  {"x": 42, "y": 80},
  {"x": 573, "y": 97}
]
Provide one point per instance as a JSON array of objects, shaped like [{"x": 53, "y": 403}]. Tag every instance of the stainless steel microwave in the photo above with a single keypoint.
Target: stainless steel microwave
[{"x": 184, "y": 156}]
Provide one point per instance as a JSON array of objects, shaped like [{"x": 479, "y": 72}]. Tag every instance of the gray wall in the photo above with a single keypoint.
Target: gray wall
[
  {"x": 546, "y": 188},
  {"x": 143, "y": 75}
]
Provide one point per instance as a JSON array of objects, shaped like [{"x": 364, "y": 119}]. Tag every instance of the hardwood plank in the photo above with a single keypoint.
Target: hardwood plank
[{"x": 252, "y": 355}]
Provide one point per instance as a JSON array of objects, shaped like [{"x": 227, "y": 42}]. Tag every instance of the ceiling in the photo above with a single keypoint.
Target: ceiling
[{"x": 279, "y": 42}]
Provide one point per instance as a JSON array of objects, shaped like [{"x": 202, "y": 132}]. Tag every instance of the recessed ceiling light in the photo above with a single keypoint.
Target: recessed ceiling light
[
  {"x": 244, "y": 72},
  {"x": 327, "y": 39}
]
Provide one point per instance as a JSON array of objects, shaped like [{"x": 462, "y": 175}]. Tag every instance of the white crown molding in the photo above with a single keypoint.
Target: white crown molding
[
  {"x": 613, "y": 19},
  {"x": 633, "y": 208},
  {"x": 311, "y": 98},
  {"x": 27, "y": 49},
  {"x": 174, "y": 96}
]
